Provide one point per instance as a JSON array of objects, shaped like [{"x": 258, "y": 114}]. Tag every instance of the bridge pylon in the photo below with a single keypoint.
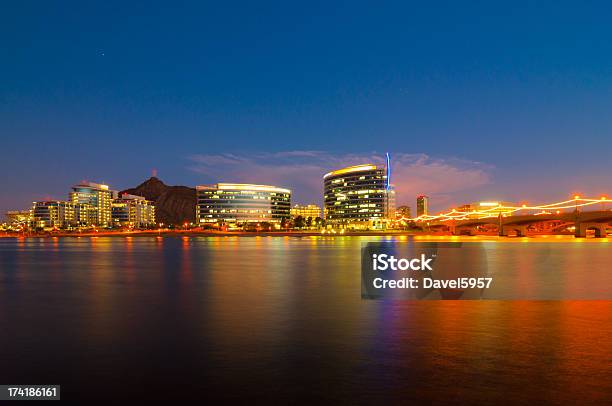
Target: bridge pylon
[
  {"x": 599, "y": 228},
  {"x": 520, "y": 230}
]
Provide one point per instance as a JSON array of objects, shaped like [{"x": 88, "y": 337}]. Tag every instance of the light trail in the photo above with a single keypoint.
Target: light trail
[{"x": 505, "y": 211}]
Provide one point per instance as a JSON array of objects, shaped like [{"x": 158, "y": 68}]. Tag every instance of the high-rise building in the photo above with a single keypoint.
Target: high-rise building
[
  {"x": 52, "y": 214},
  {"x": 237, "y": 203},
  {"x": 422, "y": 203},
  {"x": 94, "y": 203},
  {"x": 310, "y": 210},
  {"x": 133, "y": 211},
  {"x": 358, "y": 197}
]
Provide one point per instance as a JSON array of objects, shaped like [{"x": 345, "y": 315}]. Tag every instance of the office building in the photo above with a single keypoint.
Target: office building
[
  {"x": 84, "y": 214},
  {"x": 422, "y": 204},
  {"x": 358, "y": 197},
  {"x": 94, "y": 203},
  {"x": 238, "y": 204},
  {"x": 132, "y": 211},
  {"x": 17, "y": 218},
  {"x": 311, "y": 210},
  {"x": 403, "y": 212},
  {"x": 52, "y": 214}
]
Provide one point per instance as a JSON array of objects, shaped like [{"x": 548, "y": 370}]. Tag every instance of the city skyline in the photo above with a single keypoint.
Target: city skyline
[
  {"x": 82, "y": 100},
  {"x": 423, "y": 213},
  {"x": 441, "y": 200}
]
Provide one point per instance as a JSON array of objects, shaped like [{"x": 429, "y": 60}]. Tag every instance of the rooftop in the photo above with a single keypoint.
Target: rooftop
[
  {"x": 244, "y": 186},
  {"x": 93, "y": 185},
  {"x": 349, "y": 169}
]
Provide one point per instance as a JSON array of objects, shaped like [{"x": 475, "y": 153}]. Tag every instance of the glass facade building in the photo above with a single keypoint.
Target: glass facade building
[
  {"x": 358, "y": 197},
  {"x": 237, "y": 203},
  {"x": 94, "y": 202}
]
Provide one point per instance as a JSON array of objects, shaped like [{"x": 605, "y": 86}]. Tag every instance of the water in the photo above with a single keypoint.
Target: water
[{"x": 281, "y": 318}]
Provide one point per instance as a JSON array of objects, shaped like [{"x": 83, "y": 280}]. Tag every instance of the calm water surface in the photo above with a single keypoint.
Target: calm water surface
[{"x": 282, "y": 318}]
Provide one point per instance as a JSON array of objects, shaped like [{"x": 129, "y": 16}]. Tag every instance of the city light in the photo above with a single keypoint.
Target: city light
[
  {"x": 350, "y": 169},
  {"x": 388, "y": 185},
  {"x": 247, "y": 186},
  {"x": 493, "y": 211},
  {"x": 453, "y": 214}
]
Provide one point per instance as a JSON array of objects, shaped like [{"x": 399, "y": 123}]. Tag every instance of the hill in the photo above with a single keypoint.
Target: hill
[{"x": 173, "y": 204}]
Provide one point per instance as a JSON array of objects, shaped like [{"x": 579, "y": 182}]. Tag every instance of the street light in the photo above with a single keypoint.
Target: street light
[{"x": 576, "y": 197}]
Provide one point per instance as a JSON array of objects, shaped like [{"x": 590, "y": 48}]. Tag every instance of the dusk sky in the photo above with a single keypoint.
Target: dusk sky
[{"x": 473, "y": 100}]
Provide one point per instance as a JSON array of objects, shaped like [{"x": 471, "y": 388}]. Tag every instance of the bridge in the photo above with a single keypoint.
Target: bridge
[{"x": 521, "y": 220}]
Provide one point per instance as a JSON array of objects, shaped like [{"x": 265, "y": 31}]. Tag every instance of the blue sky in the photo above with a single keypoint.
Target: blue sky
[{"x": 512, "y": 100}]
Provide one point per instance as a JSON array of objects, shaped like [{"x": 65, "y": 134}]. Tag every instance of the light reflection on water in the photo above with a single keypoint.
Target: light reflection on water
[{"x": 263, "y": 316}]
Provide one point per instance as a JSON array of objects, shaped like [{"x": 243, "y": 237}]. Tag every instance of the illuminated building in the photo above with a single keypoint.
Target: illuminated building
[
  {"x": 311, "y": 210},
  {"x": 486, "y": 209},
  {"x": 132, "y": 211},
  {"x": 94, "y": 203},
  {"x": 390, "y": 210},
  {"x": 357, "y": 197},
  {"x": 403, "y": 212},
  {"x": 422, "y": 203},
  {"x": 84, "y": 214},
  {"x": 237, "y": 203},
  {"x": 18, "y": 217},
  {"x": 52, "y": 214},
  {"x": 465, "y": 208},
  {"x": 390, "y": 189}
]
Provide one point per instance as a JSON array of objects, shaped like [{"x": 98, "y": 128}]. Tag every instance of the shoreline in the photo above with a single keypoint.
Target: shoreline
[{"x": 209, "y": 233}]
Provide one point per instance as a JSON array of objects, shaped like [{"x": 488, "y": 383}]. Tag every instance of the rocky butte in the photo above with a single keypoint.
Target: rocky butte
[{"x": 173, "y": 204}]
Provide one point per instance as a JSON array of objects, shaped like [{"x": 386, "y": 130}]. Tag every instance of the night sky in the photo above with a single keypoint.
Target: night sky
[{"x": 474, "y": 101}]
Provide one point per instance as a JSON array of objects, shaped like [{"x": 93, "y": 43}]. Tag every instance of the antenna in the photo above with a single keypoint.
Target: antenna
[
  {"x": 154, "y": 173},
  {"x": 388, "y": 171}
]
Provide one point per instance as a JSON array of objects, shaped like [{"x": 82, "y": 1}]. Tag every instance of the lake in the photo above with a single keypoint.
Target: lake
[{"x": 282, "y": 318}]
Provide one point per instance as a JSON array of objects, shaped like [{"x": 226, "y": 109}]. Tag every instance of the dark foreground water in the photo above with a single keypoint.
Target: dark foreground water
[{"x": 282, "y": 319}]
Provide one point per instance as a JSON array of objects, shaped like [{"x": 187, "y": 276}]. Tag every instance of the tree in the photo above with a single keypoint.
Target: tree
[
  {"x": 285, "y": 223},
  {"x": 298, "y": 222}
]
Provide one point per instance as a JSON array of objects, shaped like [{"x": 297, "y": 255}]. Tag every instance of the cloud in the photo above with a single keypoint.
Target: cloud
[{"x": 302, "y": 171}]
